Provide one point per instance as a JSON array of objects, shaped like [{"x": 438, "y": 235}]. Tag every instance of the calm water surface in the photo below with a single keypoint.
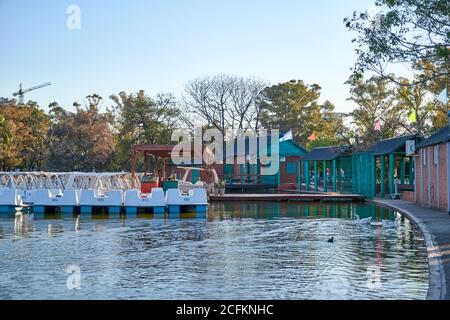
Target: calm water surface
[{"x": 243, "y": 251}]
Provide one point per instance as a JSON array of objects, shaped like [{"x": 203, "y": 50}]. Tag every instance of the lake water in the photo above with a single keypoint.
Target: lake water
[{"x": 242, "y": 251}]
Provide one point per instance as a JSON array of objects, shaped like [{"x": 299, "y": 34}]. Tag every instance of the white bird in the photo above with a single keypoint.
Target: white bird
[
  {"x": 388, "y": 224},
  {"x": 363, "y": 221}
]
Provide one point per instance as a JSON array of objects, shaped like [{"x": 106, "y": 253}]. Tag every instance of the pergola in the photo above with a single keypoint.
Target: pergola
[{"x": 164, "y": 152}]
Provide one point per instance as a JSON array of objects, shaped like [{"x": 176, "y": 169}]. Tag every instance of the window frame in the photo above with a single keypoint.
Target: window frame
[{"x": 436, "y": 155}]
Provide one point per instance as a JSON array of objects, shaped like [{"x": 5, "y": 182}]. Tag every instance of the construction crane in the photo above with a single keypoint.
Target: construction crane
[{"x": 22, "y": 92}]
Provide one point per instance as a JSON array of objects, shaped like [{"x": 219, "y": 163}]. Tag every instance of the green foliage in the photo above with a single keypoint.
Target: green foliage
[
  {"x": 88, "y": 139},
  {"x": 5, "y": 136},
  {"x": 5, "y": 132},
  {"x": 437, "y": 109},
  {"x": 140, "y": 119},
  {"x": 294, "y": 105},
  {"x": 379, "y": 99},
  {"x": 405, "y": 31},
  {"x": 82, "y": 140},
  {"x": 375, "y": 102},
  {"x": 26, "y": 128}
]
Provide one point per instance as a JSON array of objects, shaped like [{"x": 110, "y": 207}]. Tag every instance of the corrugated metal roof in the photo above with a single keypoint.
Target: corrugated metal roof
[
  {"x": 440, "y": 136},
  {"x": 391, "y": 145},
  {"x": 326, "y": 153}
]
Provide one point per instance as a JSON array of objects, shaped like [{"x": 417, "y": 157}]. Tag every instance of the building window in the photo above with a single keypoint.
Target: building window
[
  {"x": 436, "y": 155},
  {"x": 291, "y": 168},
  {"x": 424, "y": 157}
]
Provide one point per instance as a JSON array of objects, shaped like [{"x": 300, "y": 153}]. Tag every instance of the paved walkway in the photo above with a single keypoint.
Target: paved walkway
[{"x": 435, "y": 226}]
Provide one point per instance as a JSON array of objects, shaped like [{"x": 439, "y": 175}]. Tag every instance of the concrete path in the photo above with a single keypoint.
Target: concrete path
[{"x": 435, "y": 226}]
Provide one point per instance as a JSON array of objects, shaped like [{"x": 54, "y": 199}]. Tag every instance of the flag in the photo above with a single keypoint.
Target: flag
[
  {"x": 287, "y": 136},
  {"x": 412, "y": 117},
  {"x": 443, "y": 96},
  {"x": 377, "y": 126},
  {"x": 312, "y": 137}
]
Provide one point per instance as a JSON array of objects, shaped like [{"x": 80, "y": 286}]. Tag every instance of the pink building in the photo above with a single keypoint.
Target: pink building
[{"x": 432, "y": 182}]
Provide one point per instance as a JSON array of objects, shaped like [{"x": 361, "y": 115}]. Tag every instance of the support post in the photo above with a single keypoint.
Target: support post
[
  {"x": 241, "y": 173},
  {"x": 383, "y": 175},
  {"x": 374, "y": 176},
  {"x": 307, "y": 176},
  {"x": 334, "y": 176},
  {"x": 145, "y": 163},
  {"x": 299, "y": 175},
  {"x": 339, "y": 175},
  {"x": 279, "y": 172},
  {"x": 325, "y": 178},
  {"x": 391, "y": 173},
  {"x": 411, "y": 170},
  {"x": 316, "y": 177}
]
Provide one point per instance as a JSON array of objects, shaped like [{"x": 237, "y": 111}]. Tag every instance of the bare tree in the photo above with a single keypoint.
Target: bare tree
[{"x": 223, "y": 102}]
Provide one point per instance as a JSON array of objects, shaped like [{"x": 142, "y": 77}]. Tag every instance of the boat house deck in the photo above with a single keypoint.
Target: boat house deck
[{"x": 324, "y": 197}]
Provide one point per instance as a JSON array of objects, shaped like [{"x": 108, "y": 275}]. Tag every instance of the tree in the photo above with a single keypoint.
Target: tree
[
  {"x": 5, "y": 137},
  {"x": 224, "y": 102},
  {"x": 439, "y": 110},
  {"x": 376, "y": 102},
  {"x": 81, "y": 141},
  {"x": 405, "y": 31},
  {"x": 294, "y": 105},
  {"x": 420, "y": 98},
  {"x": 5, "y": 133},
  {"x": 142, "y": 120},
  {"x": 413, "y": 103},
  {"x": 28, "y": 127}
]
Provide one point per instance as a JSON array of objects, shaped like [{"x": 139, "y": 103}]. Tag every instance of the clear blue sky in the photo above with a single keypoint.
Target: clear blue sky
[{"x": 159, "y": 45}]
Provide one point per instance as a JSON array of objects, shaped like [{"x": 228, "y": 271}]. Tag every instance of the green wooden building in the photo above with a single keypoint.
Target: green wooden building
[
  {"x": 327, "y": 169},
  {"x": 247, "y": 175},
  {"x": 387, "y": 164}
]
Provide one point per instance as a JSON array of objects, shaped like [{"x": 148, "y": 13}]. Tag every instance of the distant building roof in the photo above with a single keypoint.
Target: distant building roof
[
  {"x": 287, "y": 148},
  {"x": 6, "y": 101},
  {"x": 440, "y": 136},
  {"x": 326, "y": 153},
  {"x": 391, "y": 145}
]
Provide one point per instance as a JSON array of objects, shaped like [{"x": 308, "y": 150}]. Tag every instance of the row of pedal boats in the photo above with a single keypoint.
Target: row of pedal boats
[{"x": 87, "y": 193}]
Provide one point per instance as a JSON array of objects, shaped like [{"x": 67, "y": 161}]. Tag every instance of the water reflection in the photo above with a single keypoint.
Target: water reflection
[
  {"x": 77, "y": 224},
  {"x": 243, "y": 251},
  {"x": 54, "y": 229},
  {"x": 23, "y": 225},
  {"x": 269, "y": 210}
]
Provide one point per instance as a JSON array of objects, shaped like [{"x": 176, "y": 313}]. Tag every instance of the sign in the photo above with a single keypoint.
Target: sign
[{"x": 410, "y": 147}]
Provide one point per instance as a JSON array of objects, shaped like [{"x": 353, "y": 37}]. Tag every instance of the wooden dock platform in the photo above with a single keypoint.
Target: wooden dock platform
[{"x": 286, "y": 197}]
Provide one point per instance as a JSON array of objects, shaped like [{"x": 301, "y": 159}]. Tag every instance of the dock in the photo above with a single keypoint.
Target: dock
[{"x": 286, "y": 197}]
